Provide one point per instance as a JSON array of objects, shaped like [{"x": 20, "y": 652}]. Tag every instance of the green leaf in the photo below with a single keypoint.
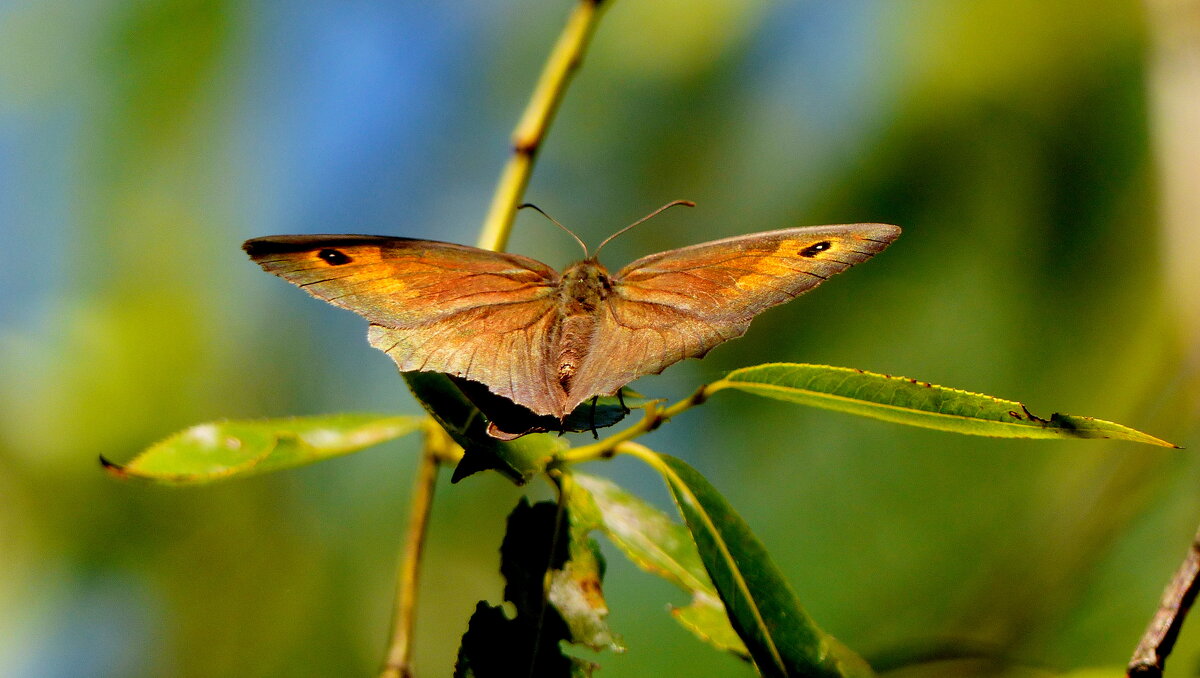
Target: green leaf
[
  {"x": 706, "y": 617},
  {"x": 653, "y": 541},
  {"x": 780, "y": 637},
  {"x": 576, "y": 588},
  {"x": 916, "y": 403},
  {"x": 660, "y": 546},
  {"x": 519, "y": 459},
  {"x": 231, "y": 449}
]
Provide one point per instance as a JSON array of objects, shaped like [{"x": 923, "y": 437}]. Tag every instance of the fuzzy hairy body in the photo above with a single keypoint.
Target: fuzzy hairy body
[{"x": 582, "y": 291}]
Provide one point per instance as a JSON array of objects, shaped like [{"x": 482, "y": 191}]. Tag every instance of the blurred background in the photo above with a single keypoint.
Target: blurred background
[{"x": 1042, "y": 158}]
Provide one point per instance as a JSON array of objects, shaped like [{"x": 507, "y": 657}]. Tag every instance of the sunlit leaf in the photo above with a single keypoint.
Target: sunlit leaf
[
  {"x": 576, "y": 588},
  {"x": 661, "y": 546},
  {"x": 705, "y": 616},
  {"x": 648, "y": 536},
  {"x": 780, "y": 637},
  {"x": 229, "y": 449},
  {"x": 917, "y": 403}
]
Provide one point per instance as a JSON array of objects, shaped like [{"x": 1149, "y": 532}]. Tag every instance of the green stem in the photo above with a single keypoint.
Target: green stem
[
  {"x": 527, "y": 138},
  {"x": 399, "y": 661},
  {"x": 654, "y": 418}
]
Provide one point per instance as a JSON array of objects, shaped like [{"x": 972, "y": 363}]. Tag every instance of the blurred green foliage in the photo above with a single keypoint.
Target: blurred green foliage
[{"x": 141, "y": 142}]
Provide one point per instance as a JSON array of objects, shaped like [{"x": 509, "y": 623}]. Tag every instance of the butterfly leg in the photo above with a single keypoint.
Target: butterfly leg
[
  {"x": 621, "y": 399},
  {"x": 595, "y": 435}
]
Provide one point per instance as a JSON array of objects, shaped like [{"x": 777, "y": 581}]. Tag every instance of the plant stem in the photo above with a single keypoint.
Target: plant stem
[
  {"x": 653, "y": 419},
  {"x": 647, "y": 455},
  {"x": 399, "y": 661},
  {"x": 1156, "y": 644},
  {"x": 527, "y": 138}
]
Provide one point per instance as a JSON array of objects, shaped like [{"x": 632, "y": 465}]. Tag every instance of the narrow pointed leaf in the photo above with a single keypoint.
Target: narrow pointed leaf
[
  {"x": 653, "y": 541},
  {"x": 659, "y": 545},
  {"x": 917, "y": 403},
  {"x": 231, "y": 449},
  {"x": 780, "y": 637},
  {"x": 705, "y": 616}
]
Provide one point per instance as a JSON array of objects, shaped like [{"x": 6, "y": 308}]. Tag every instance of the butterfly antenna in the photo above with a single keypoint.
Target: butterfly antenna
[
  {"x": 555, "y": 222},
  {"x": 687, "y": 203}
]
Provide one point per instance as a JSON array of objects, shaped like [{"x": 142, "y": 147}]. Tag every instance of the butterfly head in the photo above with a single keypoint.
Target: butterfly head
[{"x": 585, "y": 284}]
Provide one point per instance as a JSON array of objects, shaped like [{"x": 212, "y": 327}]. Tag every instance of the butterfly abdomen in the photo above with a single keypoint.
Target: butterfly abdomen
[
  {"x": 576, "y": 334},
  {"x": 582, "y": 290}
]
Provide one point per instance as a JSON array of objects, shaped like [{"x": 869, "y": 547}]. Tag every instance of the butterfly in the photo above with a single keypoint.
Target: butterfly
[{"x": 550, "y": 341}]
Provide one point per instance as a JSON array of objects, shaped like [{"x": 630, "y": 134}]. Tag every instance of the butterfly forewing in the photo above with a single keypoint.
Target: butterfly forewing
[
  {"x": 401, "y": 282},
  {"x": 434, "y": 306},
  {"x": 681, "y": 303}
]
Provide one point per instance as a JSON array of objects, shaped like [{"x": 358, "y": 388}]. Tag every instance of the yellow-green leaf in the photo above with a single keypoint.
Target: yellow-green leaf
[
  {"x": 917, "y": 403},
  {"x": 661, "y": 546},
  {"x": 705, "y": 616},
  {"x": 229, "y": 449}
]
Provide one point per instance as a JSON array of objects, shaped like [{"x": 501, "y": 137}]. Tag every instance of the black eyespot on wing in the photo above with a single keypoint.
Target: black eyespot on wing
[
  {"x": 813, "y": 250},
  {"x": 334, "y": 257}
]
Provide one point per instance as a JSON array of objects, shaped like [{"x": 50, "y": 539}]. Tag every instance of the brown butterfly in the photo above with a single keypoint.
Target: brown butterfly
[{"x": 549, "y": 341}]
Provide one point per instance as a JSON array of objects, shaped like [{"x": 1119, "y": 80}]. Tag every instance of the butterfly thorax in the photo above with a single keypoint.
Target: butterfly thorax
[{"x": 581, "y": 291}]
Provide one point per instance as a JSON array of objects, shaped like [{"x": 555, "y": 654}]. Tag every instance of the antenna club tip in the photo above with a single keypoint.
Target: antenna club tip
[{"x": 685, "y": 203}]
